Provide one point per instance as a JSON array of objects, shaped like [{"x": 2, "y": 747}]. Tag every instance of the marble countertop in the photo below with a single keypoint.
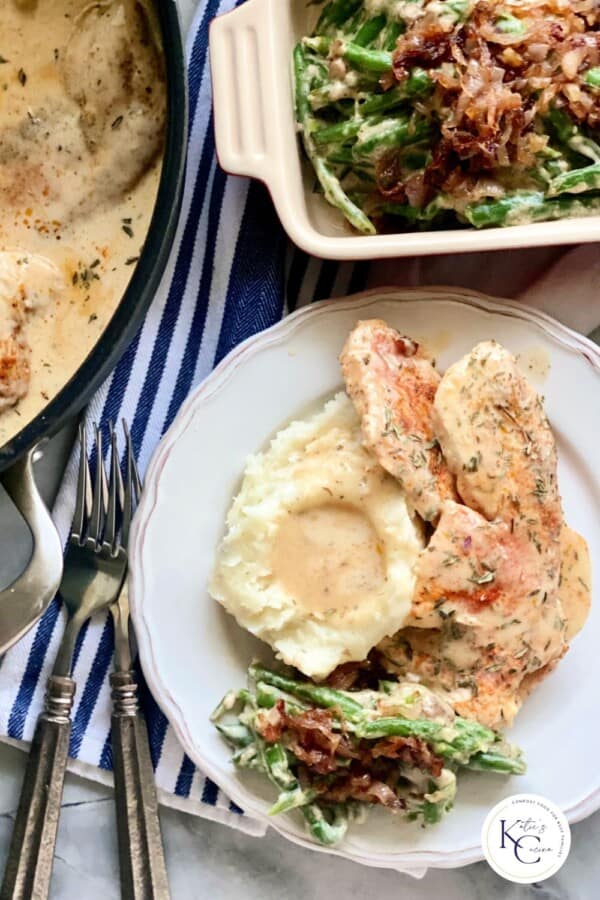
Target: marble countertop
[{"x": 206, "y": 859}]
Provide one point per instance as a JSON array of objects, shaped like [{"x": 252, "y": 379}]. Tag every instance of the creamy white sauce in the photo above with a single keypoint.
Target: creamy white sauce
[
  {"x": 534, "y": 363},
  {"x": 410, "y": 10},
  {"x": 95, "y": 252}
]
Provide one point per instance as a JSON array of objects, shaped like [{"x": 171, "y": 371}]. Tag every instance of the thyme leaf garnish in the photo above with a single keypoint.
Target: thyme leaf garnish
[
  {"x": 484, "y": 578},
  {"x": 390, "y": 427},
  {"x": 418, "y": 459},
  {"x": 473, "y": 464}
]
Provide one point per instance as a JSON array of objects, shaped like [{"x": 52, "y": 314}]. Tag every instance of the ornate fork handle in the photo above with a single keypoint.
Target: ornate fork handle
[
  {"x": 141, "y": 856},
  {"x": 29, "y": 865}
]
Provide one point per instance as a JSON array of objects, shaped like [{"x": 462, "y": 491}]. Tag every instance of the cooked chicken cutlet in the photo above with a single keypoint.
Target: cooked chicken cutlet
[
  {"x": 482, "y": 620},
  {"x": 489, "y": 681},
  {"x": 92, "y": 142},
  {"x": 575, "y": 589},
  {"x": 497, "y": 441},
  {"x": 392, "y": 384},
  {"x": 112, "y": 68},
  {"x": 487, "y": 618},
  {"x": 27, "y": 281}
]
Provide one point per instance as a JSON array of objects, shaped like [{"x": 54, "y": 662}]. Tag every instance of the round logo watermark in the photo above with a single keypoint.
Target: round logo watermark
[{"x": 526, "y": 838}]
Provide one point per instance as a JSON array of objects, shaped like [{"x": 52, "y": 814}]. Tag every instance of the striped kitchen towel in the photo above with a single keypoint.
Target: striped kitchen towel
[{"x": 231, "y": 274}]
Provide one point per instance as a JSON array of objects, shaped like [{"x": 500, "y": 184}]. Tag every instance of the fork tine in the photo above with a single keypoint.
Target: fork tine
[
  {"x": 118, "y": 475},
  {"x": 115, "y": 492},
  {"x": 133, "y": 487},
  {"x": 83, "y": 502},
  {"x": 100, "y": 496},
  {"x": 136, "y": 480}
]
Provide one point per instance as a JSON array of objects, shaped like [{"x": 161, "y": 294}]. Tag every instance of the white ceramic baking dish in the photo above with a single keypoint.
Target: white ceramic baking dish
[{"x": 251, "y": 50}]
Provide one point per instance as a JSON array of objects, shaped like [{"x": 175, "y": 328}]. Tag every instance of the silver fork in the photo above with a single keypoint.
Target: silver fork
[
  {"x": 95, "y": 567},
  {"x": 141, "y": 855}
]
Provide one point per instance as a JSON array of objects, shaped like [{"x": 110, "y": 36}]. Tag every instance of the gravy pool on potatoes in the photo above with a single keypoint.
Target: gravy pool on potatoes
[{"x": 82, "y": 113}]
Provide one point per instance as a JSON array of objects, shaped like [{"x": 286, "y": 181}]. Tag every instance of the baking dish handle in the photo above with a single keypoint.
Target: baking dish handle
[
  {"x": 244, "y": 96},
  {"x": 23, "y": 602}
]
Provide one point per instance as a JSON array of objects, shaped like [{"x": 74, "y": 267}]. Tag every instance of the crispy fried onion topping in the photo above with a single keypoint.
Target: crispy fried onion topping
[
  {"x": 496, "y": 76},
  {"x": 355, "y": 769}
]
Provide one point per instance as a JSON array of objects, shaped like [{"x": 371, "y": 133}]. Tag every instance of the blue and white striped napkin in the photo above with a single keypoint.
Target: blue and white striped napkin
[{"x": 227, "y": 277}]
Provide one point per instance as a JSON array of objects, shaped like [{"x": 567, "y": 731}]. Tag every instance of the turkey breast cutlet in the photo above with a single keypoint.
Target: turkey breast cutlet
[{"x": 488, "y": 619}]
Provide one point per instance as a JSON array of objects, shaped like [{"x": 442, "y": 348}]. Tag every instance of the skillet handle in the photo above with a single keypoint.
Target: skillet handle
[{"x": 23, "y": 602}]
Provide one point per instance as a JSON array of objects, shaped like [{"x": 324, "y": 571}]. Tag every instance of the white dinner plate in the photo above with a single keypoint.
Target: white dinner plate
[{"x": 192, "y": 652}]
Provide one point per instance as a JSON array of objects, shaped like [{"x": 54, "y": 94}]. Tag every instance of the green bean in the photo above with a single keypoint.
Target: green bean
[
  {"x": 571, "y": 136},
  {"x": 592, "y": 77},
  {"x": 376, "y": 61},
  {"x": 277, "y": 768},
  {"x": 326, "y": 832},
  {"x": 391, "y": 35},
  {"x": 340, "y": 133},
  {"x": 342, "y": 156},
  {"x": 496, "y": 762},
  {"x": 398, "y": 132},
  {"x": 369, "y": 31},
  {"x": 267, "y": 696},
  {"x": 333, "y": 190},
  {"x": 508, "y": 24},
  {"x": 414, "y": 215},
  {"x": 577, "y": 181},
  {"x": 499, "y": 212},
  {"x": 248, "y": 758},
  {"x": 418, "y": 84},
  {"x": 231, "y": 701},
  {"x": 336, "y": 13},
  {"x": 562, "y": 124},
  {"x": 525, "y": 207},
  {"x": 404, "y": 210},
  {"x": 364, "y": 177},
  {"x": 460, "y": 8},
  {"x": 301, "y": 85},
  {"x": 396, "y": 726},
  {"x": 432, "y": 812},
  {"x": 415, "y": 158},
  {"x": 458, "y": 741},
  {"x": 292, "y": 799},
  {"x": 352, "y": 25},
  {"x": 335, "y": 195},
  {"x": 330, "y": 93},
  {"x": 470, "y": 738},
  {"x": 319, "y": 695},
  {"x": 439, "y": 798},
  {"x": 235, "y": 733}
]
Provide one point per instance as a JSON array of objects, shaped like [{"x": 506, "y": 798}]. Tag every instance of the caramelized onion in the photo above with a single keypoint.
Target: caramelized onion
[{"x": 492, "y": 86}]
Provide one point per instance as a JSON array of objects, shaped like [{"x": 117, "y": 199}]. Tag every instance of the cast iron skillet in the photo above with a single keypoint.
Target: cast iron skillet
[
  {"x": 121, "y": 329},
  {"x": 26, "y": 599}
]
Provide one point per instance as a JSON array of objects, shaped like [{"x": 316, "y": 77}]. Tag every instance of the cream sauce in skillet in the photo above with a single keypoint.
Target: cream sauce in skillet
[{"x": 81, "y": 126}]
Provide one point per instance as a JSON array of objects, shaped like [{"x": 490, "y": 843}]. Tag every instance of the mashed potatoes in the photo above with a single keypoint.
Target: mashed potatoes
[{"x": 319, "y": 552}]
